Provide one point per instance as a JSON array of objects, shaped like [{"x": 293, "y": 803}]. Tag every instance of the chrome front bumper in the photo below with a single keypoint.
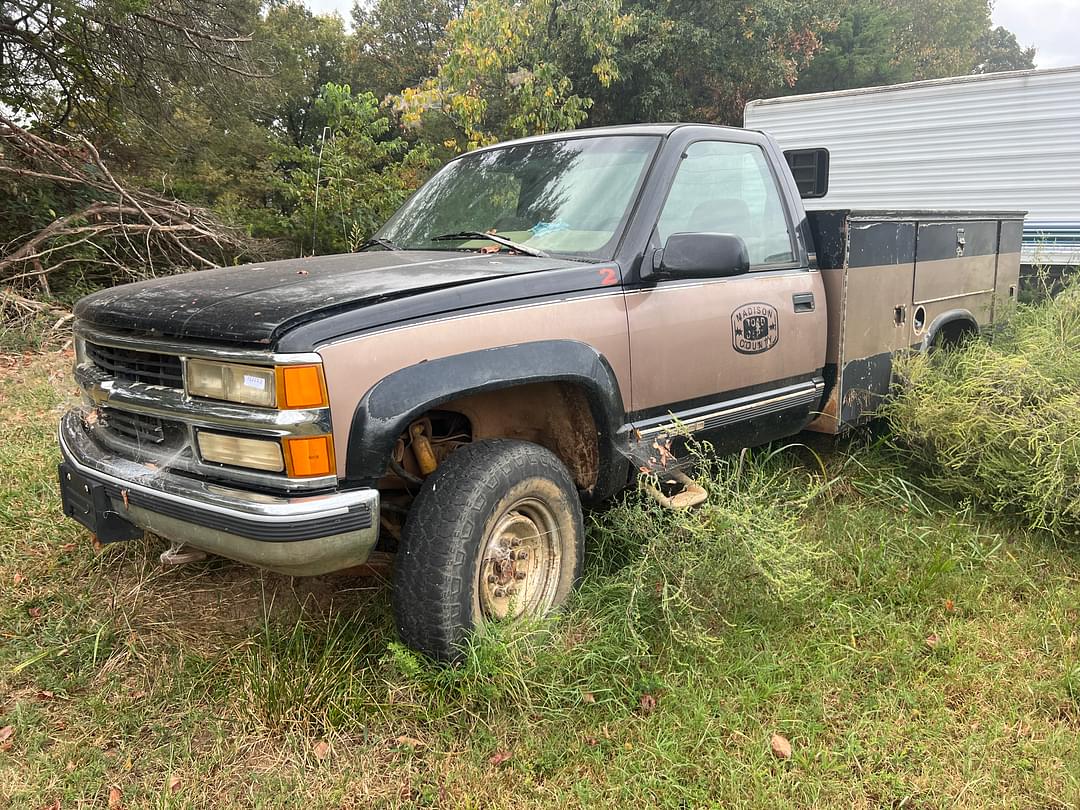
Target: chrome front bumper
[{"x": 298, "y": 535}]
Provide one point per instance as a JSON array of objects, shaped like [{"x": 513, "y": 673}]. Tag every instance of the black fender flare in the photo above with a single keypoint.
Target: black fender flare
[
  {"x": 943, "y": 320},
  {"x": 389, "y": 406}
]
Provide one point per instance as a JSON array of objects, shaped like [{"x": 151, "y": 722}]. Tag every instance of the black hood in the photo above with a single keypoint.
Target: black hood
[{"x": 256, "y": 303}]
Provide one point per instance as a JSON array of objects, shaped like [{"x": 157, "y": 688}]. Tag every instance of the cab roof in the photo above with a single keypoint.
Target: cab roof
[{"x": 662, "y": 130}]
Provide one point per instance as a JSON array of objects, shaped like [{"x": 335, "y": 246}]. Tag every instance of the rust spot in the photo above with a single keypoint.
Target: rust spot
[
  {"x": 554, "y": 415},
  {"x": 827, "y": 421}
]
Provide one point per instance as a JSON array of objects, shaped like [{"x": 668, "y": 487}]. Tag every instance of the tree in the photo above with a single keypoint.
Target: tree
[
  {"x": 91, "y": 58},
  {"x": 398, "y": 43},
  {"x": 701, "y": 60},
  {"x": 107, "y": 231},
  {"x": 500, "y": 76},
  {"x": 342, "y": 190},
  {"x": 308, "y": 52},
  {"x": 878, "y": 42},
  {"x": 998, "y": 50},
  {"x": 860, "y": 51}
]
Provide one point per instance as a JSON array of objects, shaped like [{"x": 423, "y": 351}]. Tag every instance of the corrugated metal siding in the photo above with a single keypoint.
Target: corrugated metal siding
[{"x": 1007, "y": 141}]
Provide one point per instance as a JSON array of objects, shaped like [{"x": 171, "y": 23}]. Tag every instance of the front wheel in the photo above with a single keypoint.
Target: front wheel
[{"x": 496, "y": 532}]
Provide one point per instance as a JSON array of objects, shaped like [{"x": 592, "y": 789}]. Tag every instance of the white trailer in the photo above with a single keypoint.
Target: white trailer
[{"x": 1006, "y": 141}]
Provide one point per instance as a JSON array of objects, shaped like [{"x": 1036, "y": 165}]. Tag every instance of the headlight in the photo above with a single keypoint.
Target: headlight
[
  {"x": 238, "y": 451},
  {"x": 251, "y": 385},
  {"x": 299, "y": 386}
]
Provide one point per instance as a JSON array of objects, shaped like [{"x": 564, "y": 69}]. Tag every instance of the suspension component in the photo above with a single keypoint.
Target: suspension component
[{"x": 421, "y": 447}]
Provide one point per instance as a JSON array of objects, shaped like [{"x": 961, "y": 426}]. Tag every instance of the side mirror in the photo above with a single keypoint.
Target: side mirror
[{"x": 701, "y": 255}]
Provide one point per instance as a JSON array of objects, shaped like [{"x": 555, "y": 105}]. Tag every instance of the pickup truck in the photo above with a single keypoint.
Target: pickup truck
[{"x": 523, "y": 337}]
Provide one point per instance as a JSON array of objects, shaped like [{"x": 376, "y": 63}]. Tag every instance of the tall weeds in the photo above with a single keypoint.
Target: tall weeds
[{"x": 998, "y": 421}]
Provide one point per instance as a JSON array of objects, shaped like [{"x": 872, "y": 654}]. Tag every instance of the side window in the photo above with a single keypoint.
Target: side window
[
  {"x": 725, "y": 187},
  {"x": 810, "y": 168}
]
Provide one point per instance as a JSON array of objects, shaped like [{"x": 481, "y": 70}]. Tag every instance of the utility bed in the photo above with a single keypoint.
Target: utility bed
[{"x": 894, "y": 280}]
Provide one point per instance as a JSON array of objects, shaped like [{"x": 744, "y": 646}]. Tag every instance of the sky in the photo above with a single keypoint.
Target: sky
[{"x": 1052, "y": 26}]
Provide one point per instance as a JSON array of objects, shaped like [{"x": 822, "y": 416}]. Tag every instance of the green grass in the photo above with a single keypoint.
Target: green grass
[{"x": 916, "y": 650}]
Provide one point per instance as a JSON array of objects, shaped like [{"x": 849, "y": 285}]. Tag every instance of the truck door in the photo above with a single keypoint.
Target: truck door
[{"x": 741, "y": 353}]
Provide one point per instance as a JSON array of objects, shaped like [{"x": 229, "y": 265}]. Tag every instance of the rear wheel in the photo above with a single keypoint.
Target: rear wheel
[{"x": 496, "y": 532}]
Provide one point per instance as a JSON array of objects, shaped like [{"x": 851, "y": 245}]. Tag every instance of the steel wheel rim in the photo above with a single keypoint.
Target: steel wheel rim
[{"x": 520, "y": 562}]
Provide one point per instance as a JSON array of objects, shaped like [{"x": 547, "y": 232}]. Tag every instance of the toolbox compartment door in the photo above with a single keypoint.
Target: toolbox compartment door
[{"x": 955, "y": 259}]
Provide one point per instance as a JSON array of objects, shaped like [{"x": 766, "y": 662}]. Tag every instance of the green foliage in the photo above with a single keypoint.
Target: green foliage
[
  {"x": 344, "y": 188},
  {"x": 876, "y": 43},
  {"x": 309, "y": 51},
  {"x": 224, "y": 106},
  {"x": 94, "y": 63},
  {"x": 498, "y": 79},
  {"x": 701, "y": 60},
  {"x": 998, "y": 50},
  {"x": 398, "y": 43},
  {"x": 681, "y": 574},
  {"x": 998, "y": 421}
]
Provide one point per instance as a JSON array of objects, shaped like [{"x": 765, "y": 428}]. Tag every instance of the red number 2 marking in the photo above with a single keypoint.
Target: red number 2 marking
[{"x": 608, "y": 276}]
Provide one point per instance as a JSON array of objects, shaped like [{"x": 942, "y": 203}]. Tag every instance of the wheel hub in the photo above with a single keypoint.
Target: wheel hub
[{"x": 519, "y": 567}]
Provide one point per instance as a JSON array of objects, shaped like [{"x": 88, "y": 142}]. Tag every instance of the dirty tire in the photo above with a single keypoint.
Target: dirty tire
[{"x": 484, "y": 498}]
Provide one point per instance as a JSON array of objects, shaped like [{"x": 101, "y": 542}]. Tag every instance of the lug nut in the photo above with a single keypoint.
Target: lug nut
[
  {"x": 519, "y": 575},
  {"x": 523, "y": 555},
  {"x": 511, "y": 590},
  {"x": 515, "y": 543},
  {"x": 500, "y": 593},
  {"x": 492, "y": 579}
]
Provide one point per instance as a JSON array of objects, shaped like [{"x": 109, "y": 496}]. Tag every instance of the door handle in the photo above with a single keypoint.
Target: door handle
[{"x": 803, "y": 302}]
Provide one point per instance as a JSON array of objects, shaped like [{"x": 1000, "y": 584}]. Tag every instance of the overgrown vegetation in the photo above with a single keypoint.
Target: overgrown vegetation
[
  {"x": 914, "y": 649},
  {"x": 998, "y": 421},
  {"x": 250, "y": 130}
]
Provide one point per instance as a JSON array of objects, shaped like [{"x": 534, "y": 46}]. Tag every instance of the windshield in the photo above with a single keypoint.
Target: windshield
[{"x": 569, "y": 197}]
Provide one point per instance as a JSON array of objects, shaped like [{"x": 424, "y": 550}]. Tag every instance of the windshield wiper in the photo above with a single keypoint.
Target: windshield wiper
[
  {"x": 378, "y": 241},
  {"x": 491, "y": 237}
]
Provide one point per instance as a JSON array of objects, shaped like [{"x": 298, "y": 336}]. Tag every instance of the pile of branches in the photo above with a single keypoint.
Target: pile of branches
[{"x": 112, "y": 234}]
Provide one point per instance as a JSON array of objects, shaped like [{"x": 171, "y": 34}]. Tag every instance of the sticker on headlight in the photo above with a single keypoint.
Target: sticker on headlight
[{"x": 255, "y": 381}]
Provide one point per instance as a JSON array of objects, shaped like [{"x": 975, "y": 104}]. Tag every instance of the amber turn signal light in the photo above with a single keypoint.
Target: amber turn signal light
[
  {"x": 306, "y": 456},
  {"x": 301, "y": 387}
]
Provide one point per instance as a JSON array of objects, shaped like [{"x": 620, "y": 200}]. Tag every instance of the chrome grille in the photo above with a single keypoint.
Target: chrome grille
[
  {"x": 137, "y": 366},
  {"x": 141, "y": 429}
]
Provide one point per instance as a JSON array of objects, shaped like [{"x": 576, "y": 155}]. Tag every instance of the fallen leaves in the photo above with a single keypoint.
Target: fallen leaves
[
  {"x": 174, "y": 784},
  {"x": 116, "y": 799},
  {"x": 499, "y": 758},
  {"x": 34, "y": 612},
  {"x": 18, "y": 579},
  {"x": 648, "y": 703},
  {"x": 587, "y": 697},
  {"x": 6, "y": 733},
  {"x": 781, "y": 746},
  {"x": 321, "y": 750},
  {"x": 409, "y": 742},
  {"x": 932, "y": 640}
]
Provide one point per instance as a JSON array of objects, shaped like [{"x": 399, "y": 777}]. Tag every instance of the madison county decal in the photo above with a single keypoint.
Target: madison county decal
[{"x": 755, "y": 328}]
